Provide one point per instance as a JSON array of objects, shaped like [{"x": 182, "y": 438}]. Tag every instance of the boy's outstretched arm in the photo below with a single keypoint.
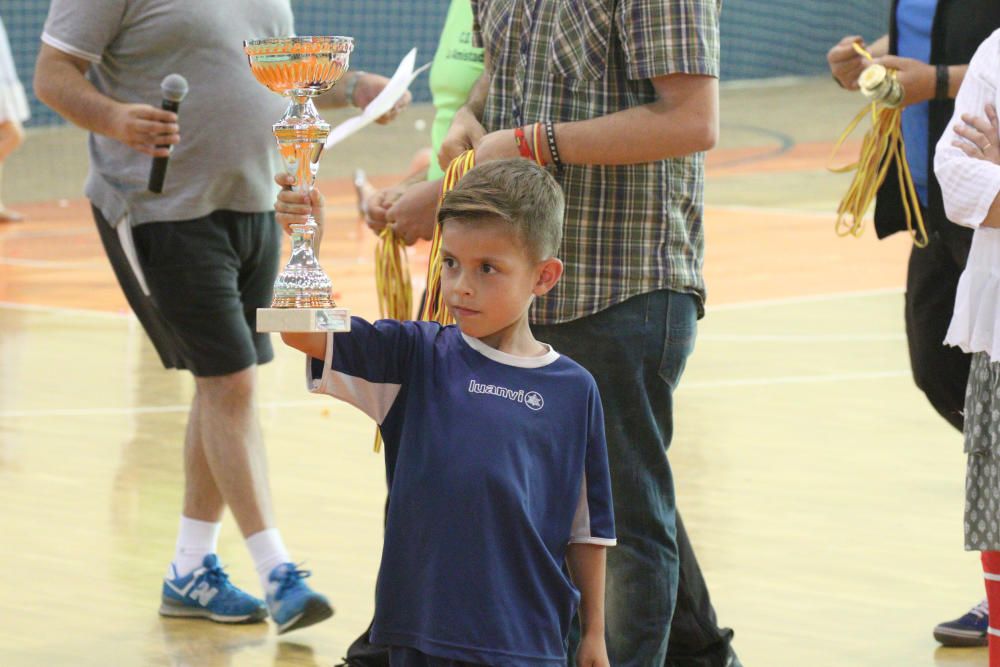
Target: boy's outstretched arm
[
  {"x": 313, "y": 344},
  {"x": 587, "y": 564}
]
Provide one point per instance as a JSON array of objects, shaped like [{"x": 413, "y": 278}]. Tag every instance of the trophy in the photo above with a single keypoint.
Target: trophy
[{"x": 301, "y": 68}]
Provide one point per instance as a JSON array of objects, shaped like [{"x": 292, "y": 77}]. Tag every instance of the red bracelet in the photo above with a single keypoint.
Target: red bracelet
[{"x": 522, "y": 144}]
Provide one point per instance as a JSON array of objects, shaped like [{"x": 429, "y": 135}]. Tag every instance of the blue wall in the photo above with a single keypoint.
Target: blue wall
[{"x": 760, "y": 38}]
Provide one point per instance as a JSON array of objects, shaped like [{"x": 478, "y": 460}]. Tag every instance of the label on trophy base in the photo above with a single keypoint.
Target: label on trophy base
[{"x": 303, "y": 320}]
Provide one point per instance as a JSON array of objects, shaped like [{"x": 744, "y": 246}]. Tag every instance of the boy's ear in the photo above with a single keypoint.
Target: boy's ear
[{"x": 549, "y": 272}]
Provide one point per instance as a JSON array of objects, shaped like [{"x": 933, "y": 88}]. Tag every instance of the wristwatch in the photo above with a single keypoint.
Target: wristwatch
[{"x": 351, "y": 85}]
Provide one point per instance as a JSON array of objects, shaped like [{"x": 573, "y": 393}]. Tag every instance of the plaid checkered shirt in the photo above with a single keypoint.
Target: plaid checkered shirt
[{"x": 629, "y": 229}]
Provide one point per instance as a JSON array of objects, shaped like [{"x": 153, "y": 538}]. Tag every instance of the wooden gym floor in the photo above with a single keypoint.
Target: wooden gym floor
[{"x": 822, "y": 493}]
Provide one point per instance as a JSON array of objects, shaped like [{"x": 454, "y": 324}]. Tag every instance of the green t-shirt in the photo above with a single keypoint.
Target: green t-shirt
[{"x": 457, "y": 66}]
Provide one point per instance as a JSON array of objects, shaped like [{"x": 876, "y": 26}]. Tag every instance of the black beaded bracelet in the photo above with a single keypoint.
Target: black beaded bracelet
[
  {"x": 941, "y": 83},
  {"x": 550, "y": 134}
]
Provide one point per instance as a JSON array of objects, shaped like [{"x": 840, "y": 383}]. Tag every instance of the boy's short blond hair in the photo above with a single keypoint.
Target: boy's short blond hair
[{"x": 517, "y": 193}]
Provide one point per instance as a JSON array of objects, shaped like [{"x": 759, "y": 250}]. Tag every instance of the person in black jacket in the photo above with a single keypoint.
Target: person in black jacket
[{"x": 930, "y": 43}]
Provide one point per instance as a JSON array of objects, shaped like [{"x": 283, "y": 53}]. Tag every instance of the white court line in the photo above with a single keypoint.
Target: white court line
[
  {"x": 148, "y": 410},
  {"x": 42, "y": 234},
  {"x": 805, "y": 338},
  {"x": 793, "y": 379},
  {"x": 767, "y": 82},
  {"x": 800, "y": 212},
  {"x": 815, "y": 298},
  {"x": 58, "y": 310},
  {"x": 315, "y": 402},
  {"x": 50, "y": 264}
]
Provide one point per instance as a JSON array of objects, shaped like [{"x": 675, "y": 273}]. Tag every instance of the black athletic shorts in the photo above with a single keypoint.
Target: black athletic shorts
[{"x": 205, "y": 280}]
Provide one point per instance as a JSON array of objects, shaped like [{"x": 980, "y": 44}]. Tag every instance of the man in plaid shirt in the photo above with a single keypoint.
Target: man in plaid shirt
[{"x": 627, "y": 92}]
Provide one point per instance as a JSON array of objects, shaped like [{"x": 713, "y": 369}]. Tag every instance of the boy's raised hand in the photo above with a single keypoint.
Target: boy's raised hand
[{"x": 292, "y": 208}]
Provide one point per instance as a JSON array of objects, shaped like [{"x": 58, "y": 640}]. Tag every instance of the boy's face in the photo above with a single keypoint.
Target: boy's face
[{"x": 488, "y": 279}]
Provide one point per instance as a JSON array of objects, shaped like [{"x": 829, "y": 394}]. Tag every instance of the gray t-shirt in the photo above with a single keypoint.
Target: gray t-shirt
[{"x": 227, "y": 156}]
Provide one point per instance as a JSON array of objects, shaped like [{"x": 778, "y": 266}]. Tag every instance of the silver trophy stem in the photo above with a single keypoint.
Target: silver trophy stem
[{"x": 300, "y": 145}]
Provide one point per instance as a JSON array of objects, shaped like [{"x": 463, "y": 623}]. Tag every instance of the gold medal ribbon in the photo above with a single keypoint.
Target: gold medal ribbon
[
  {"x": 882, "y": 145},
  {"x": 392, "y": 274}
]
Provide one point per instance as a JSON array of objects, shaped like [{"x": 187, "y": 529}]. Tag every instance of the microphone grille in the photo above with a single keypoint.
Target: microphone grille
[{"x": 174, "y": 87}]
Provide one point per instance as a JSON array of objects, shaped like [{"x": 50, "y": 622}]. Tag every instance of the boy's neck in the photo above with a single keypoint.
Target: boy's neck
[{"x": 516, "y": 339}]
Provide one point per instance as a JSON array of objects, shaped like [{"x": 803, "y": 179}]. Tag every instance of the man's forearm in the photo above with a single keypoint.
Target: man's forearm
[
  {"x": 587, "y": 564},
  {"x": 673, "y": 126},
  {"x": 634, "y": 136}
]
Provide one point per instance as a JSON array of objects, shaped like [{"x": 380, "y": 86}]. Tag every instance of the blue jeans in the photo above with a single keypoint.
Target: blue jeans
[{"x": 636, "y": 352}]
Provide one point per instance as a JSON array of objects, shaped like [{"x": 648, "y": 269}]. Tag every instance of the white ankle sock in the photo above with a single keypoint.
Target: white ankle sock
[
  {"x": 195, "y": 540},
  {"x": 268, "y": 552}
]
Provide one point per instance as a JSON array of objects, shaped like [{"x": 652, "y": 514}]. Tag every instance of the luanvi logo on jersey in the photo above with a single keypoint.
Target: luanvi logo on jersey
[{"x": 532, "y": 399}]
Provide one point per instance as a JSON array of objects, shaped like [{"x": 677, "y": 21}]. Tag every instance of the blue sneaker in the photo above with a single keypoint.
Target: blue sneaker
[
  {"x": 970, "y": 630},
  {"x": 207, "y": 593},
  {"x": 292, "y": 603}
]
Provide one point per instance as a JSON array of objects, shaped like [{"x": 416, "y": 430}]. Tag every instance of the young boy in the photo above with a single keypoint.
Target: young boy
[{"x": 495, "y": 448}]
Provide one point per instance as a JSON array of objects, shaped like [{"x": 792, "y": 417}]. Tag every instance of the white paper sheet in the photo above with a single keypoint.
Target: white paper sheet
[{"x": 383, "y": 103}]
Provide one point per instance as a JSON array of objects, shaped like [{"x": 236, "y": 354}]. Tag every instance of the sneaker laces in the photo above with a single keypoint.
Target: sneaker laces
[
  {"x": 291, "y": 578},
  {"x": 217, "y": 576},
  {"x": 981, "y": 610}
]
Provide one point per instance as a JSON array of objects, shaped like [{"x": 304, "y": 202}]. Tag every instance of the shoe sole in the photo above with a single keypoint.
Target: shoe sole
[
  {"x": 957, "y": 639},
  {"x": 314, "y": 612},
  {"x": 174, "y": 611}
]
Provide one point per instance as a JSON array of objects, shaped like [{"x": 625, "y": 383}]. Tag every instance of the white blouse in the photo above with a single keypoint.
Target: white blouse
[{"x": 970, "y": 186}]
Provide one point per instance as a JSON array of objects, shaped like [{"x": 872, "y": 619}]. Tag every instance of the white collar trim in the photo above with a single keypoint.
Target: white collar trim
[{"x": 511, "y": 359}]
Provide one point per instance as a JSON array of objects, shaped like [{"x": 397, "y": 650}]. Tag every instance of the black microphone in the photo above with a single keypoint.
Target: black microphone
[{"x": 174, "y": 88}]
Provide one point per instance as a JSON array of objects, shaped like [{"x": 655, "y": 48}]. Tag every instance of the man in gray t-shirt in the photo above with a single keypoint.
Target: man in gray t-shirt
[{"x": 196, "y": 261}]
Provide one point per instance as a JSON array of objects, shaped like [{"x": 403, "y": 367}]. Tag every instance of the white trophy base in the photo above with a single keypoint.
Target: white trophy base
[{"x": 303, "y": 320}]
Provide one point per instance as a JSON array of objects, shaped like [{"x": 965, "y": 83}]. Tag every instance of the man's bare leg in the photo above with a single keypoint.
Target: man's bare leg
[
  {"x": 232, "y": 448},
  {"x": 202, "y": 498},
  {"x": 201, "y": 518}
]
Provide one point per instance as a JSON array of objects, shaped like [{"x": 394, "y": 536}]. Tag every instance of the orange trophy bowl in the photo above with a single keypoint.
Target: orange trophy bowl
[{"x": 299, "y": 66}]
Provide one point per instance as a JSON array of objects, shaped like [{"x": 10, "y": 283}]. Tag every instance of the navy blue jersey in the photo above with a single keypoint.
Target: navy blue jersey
[{"x": 495, "y": 464}]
